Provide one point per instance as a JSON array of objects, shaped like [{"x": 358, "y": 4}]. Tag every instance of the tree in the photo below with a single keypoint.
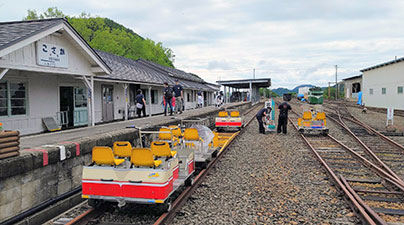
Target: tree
[
  {"x": 52, "y": 12},
  {"x": 267, "y": 93},
  {"x": 107, "y": 35}
]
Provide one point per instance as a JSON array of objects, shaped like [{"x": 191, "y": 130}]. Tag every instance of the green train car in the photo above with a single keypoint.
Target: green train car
[{"x": 315, "y": 95}]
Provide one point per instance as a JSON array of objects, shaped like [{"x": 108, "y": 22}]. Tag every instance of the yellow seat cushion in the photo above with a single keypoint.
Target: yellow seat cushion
[
  {"x": 223, "y": 114},
  {"x": 235, "y": 114},
  {"x": 143, "y": 157},
  {"x": 162, "y": 149},
  {"x": 307, "y": 115},
  {"x": 165, "y": 134},
  {"x": 320, "y": 116},
  {"x": 191, "y": 134},
  {"x": 122, "y": 148},
  {"x": 175, "y": 130},
  {"x": 102, "y": 155}
]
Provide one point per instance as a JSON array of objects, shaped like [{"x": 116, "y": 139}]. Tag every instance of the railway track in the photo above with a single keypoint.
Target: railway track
[
  {"x": 373, "y": 190},
  {"x": 91, "y": 215}
]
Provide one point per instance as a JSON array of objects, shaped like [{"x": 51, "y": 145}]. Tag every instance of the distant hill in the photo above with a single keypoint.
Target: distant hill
[
  {"x": 296, "y": 89},
  {"x": 109, "y": 36},
  {"x": 281, "y": 91}
]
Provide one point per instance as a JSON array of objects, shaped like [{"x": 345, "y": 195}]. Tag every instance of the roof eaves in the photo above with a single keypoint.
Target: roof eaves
[
  {"x": 383, "y": 64},
  {"x": 62, "y": 20}
]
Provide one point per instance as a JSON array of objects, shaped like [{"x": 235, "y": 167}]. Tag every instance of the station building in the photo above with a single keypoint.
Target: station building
[
  {"x": 352, "y": 86},
  {"x": 383, "y": 85},
  {"x": 47, "y": 70}
]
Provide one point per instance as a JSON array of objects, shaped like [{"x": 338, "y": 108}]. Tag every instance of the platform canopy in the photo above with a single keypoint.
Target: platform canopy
[
  {"x": 253, "y": 86},
  {"x": 259, "y": 83}
]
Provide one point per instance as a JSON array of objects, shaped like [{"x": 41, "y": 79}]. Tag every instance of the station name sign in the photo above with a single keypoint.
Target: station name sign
[{"x": 51, "y": 55}]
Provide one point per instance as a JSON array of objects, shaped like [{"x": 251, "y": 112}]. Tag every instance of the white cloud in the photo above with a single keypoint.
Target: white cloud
[{"x": 293, "y": 42}]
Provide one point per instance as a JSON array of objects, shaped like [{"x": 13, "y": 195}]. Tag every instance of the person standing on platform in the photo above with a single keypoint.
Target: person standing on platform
[
  {"x": 140, "y": 104},
  {"x": 179, "y": 96},
  {"x": 260, "y": 117},
  {"x": 168, "y": 95},
  {"x": 200, "y": 99},
  {"x": 283, "y": 117}
]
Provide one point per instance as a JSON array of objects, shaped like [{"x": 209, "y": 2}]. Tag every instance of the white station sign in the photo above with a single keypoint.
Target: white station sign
[{"x": 52, "y": 55}]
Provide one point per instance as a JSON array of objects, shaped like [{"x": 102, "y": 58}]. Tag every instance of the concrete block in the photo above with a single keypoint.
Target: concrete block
[
  {"x": 11, "y": 182},
  {"x": 48, "y": 181},
  {"x": 30, "y": 188},
  {"x": 10, "y": 195},
  {"x": 29, "y": 201},
  {"x": 64, "y": 186},
  {"x": 10, "y": 209}
]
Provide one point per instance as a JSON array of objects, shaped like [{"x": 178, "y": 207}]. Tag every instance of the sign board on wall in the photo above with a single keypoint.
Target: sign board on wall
[{"x": 51, "y": 55}]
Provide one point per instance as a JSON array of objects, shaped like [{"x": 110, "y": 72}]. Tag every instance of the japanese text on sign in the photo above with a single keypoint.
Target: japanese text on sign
[{"x": 52, "y": 55}]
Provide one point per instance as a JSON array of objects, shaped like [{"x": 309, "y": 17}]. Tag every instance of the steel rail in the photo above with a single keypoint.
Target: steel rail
[
  {"x": 87, "y": 216},
  {"x": 371, "y": 212},
  {"x": 363, "y": 214},
  {"x": 167, "y": 217},
  {"x": 370, "y": 152},
  {"x": 357, "y": 121}
]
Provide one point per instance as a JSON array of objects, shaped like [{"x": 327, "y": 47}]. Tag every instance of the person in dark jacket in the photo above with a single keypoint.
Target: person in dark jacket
[
  {"x": 179, "y": 96},
  {"x": 168, "y": 95},
  {"x": 283, "y": 117},
  {"x": 140, "y": 104},
  {"x": 260, "y": 117}
]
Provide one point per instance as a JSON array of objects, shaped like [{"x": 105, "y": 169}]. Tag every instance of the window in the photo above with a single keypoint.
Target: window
[
  {"x": 145, "y": 93},
  {"x": 371, "y": 91},
  {"x": 188, "y": 97},
  {"x": 399, "y": 89},
  {"x": 13, "y": 98},
  {"x": 3, "y": 99},
  {"x": 154, "y": 96},
  {"x": 80, "y": 97},
  {"x": 383, "y": 91}
]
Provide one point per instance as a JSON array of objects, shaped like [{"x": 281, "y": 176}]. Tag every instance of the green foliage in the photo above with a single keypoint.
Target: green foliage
[
  {"x": 267, "y": 93},
  {"x": 107, "y": 35},
  {"x": 52, "y": 12},
  {"x": 341, "y": 94}
]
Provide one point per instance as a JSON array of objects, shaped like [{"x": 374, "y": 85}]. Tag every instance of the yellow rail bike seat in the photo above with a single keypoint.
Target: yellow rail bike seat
[
  {"x": 143, "y": 157},
  {"x": 307, "y": 115},
  {"x": 320, "y": 116},
  {"x": 191, "y": 134},
  {"x": 223, "y": 114},
  {"x": 122, "y": 148},
  {"x": 162, "y": 149},
  {"x": 103, "y": 156},
  {"x": 175, "y": 130},
  {"x": 235, "y": 114}
]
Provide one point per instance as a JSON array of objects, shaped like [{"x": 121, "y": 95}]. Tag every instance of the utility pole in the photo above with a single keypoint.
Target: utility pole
[
  {"x": 336, "y": 82},
  {"x": 254, "y": 73}
]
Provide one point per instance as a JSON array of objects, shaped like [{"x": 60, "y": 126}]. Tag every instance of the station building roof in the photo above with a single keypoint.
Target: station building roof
[
  {"x": 383, "y": 64},
  {"x": 260, "y": 83},
  {"x": 351, "y": 78},
  {"x": 17, "y": 34},
  {"x": 149, "y": 73}
]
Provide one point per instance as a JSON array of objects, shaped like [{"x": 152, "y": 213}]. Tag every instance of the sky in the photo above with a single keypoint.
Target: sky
[{"x": 291, "y": 42}]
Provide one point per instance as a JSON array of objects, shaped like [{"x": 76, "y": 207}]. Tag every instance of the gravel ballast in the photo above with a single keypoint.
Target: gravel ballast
[{"x": 266, "y": 179}]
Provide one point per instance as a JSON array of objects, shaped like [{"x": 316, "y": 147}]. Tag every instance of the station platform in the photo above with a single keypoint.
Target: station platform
[{"x": 37, "y": 140}]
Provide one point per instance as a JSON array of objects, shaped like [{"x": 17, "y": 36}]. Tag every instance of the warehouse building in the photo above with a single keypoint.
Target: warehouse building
[
  {"x": 352, "y": 86},
  {"x": 383, "y": 85},
  {"x": 48, "y": 71}
]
